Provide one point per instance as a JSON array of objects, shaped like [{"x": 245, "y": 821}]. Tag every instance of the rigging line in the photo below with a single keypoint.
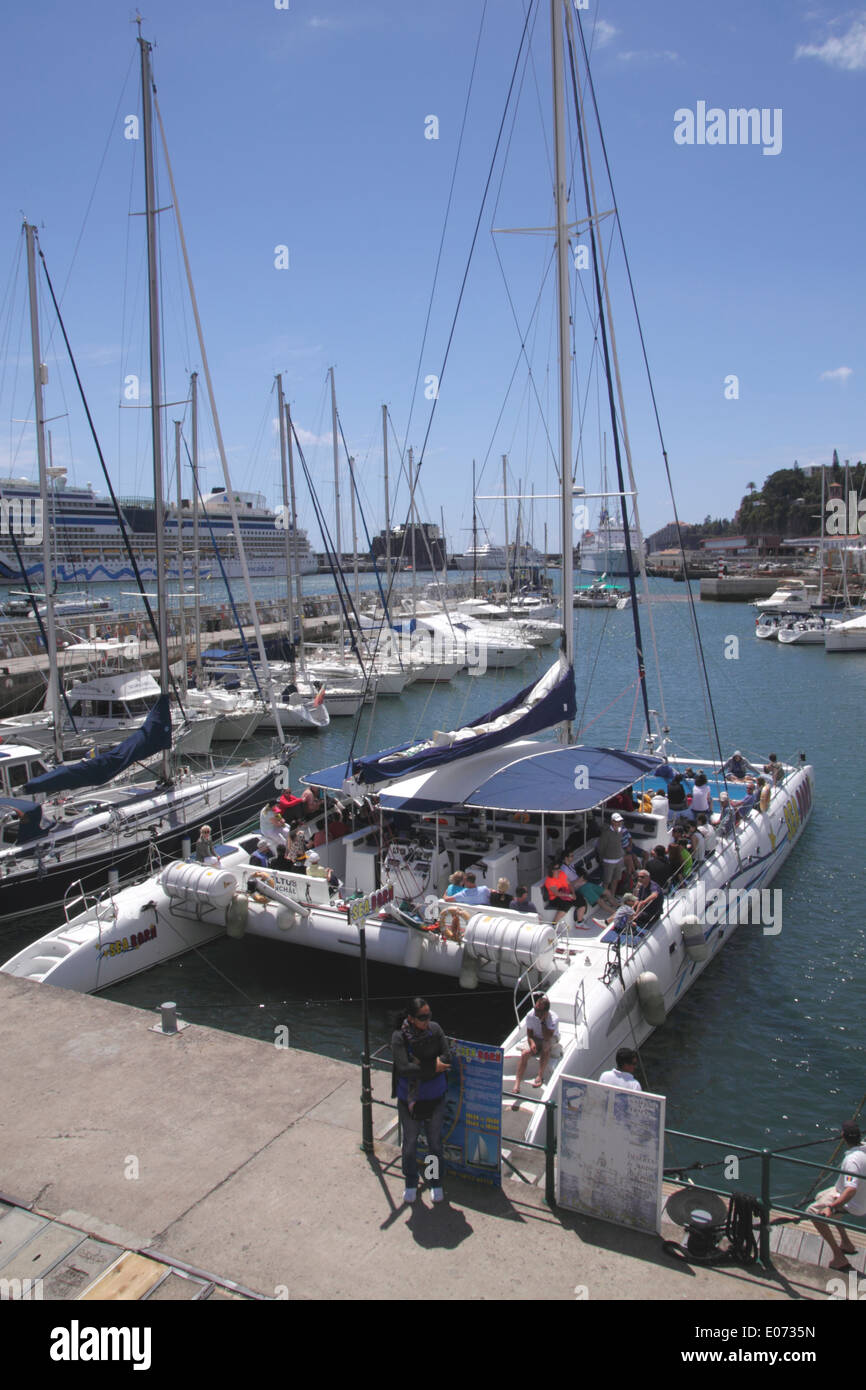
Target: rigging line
[
  {"x": 633, "y": 685},
  {"x": 111, "y": 133},
  {"x": 354, "y": 485},
  {"x": 644, "y": 352},
  {"x": 465, "y": 279},
  {"x": 522, "y": 337},
  {"x": 611, "y": 403},
  {"x": 119, "y": 514},
  {"x": 445, "y": 224}
]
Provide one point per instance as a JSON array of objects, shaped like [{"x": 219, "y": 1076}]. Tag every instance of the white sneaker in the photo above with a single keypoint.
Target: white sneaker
[
  {"x": 410, "y": 1194},
  {"x": 437, "y": 1194}
]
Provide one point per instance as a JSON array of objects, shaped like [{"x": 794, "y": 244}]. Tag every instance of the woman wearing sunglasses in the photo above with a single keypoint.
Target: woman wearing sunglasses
[{"x": 421, "y": 1064}]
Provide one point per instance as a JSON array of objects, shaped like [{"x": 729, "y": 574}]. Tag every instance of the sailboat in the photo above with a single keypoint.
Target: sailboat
[
  {"x": 75, "y": 828},
  {"x": 493, "y": 798}
]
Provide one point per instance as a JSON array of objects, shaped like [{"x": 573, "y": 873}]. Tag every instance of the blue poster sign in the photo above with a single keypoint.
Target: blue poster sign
[{"x": 472, "y": 1131}]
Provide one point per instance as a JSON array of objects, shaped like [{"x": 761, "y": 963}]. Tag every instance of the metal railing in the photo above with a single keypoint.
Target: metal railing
[{"x": 768, "y": 1161}]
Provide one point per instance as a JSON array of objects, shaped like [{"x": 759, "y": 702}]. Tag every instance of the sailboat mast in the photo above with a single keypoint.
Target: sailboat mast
[
  {"x": 196, "y": 572},
  {"x": 281, "y": 410},
  {"x": 505, "y": 508},
  {"x": 39, "y": 377},
  {"x": 387, "y": 496},
  {"x": 155, "y": 356},
  {"x": 339, "y": 528},
  {"x": 562, "y": 282},
  {"x": 299, "y": 602},
  {"x": 181, "y": 614}
]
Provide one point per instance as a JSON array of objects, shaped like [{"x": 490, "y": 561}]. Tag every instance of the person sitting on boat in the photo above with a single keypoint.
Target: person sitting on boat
[
  {"x": 650, "y": 899},
  {"x": 765, "y": 791},
  {"x": 736, "y": 767},
  {"x": 205, "y": 851},
  {"x": 702, "y": 799},
  {"x": 420, "y": 1083},
  {"x": 261, "y": 856},
  {"x": 659, "y": 867},
  {"x": 707, "y": 834},
  {"x": 846, "y": 1198},
  {"x": 472, "y": 893},
  {"x": 501, "y": 897},
  {"x": 456, "y": 883},
  {"x": 749, "y": 801},
  {"x": 282, "y": 863},
  {"x": 621, "y": 920},
  {"x": 623, "y": 1073},
  {"x": 542, "y": 1031},
  {"x": 725, "y": 821},
  {"x": 610, "y": 853},
  {"x": 679, "y": 858},
  {"x": 559, "y": 894},
  {"x": 273, "y": 827},
  {"x": 296, "y": 850},
  {"x": 584, "y": 888},
  {"x": 315, "y": 867},
  {"x": 774, "y": 770},
  {"x": 290, "y": 807},
  {"x": 522, "y": 902}
]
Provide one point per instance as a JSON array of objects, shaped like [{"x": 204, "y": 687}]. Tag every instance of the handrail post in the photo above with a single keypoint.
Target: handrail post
[
  {"x": 549, "y": 1153},
  {"x": 764, "y": 1240}
]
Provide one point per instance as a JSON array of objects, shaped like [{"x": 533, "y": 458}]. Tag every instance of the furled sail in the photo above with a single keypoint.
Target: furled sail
[
  {"x": 153, "y": 736},
  {"x": 540, "y": 706}
]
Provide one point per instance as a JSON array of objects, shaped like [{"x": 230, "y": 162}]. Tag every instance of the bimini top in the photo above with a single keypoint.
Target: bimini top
[{"x": 522, "y": 776}]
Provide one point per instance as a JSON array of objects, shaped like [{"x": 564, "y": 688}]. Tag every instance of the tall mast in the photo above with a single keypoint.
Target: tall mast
[
  {"x": 562, "y": 282},
  {"x": 281, "y": 409},
  {"x": 40, "y": 376},
  {"x": 413, "y": 524},
  {"x": 505, "y": 508},
  {"x": 339, "y": 529},
  {"x": 355, "y": 579},
  {"x": 474, "y": 538},
  {"x": 196, "y": 569},
  {"x": 155, "y": 384},
  {"x": 299, "y": 603},
  {"x": 181, "y": 614},
  {"x": 387, "y": 496}
]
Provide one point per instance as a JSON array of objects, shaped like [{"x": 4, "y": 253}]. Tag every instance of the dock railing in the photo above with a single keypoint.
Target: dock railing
[{"x": 767, "y": 1165}]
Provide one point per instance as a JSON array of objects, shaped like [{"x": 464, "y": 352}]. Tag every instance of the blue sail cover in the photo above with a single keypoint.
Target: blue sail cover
[
  {"x": 556, "y": 706},
  {"x": 30, "y": 817},
  {"x": 153, "y": 736}
]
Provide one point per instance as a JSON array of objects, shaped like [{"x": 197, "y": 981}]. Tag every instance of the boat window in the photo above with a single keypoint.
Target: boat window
[{"x": 18, "y": 775}]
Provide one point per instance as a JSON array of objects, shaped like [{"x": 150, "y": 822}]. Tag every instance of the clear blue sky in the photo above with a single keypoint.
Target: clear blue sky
[{"x": 305, "y": 127}]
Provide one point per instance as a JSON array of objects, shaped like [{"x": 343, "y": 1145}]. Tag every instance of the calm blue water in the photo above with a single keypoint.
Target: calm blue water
[{"x": 768, "y": 1044}]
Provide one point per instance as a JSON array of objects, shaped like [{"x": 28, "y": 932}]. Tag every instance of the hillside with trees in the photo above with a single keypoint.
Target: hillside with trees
[{"x": 789, "y": 503}]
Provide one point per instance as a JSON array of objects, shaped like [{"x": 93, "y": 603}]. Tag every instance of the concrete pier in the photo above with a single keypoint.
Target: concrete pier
[{"x": 241, "y": 1161}]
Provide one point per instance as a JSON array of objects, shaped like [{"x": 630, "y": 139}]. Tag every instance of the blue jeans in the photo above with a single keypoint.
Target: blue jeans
[{"x": 411, "y": 1131}]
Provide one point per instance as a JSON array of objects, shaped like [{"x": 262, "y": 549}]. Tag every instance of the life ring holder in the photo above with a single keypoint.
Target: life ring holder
[{"x": 451, "y": 923}]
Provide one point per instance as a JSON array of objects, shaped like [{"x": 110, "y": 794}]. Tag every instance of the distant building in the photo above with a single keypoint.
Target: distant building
[{"x": 420, "y": 546}]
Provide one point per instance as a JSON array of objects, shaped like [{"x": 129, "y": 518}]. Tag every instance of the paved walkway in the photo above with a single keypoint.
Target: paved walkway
[{"x": 236, "y": 1164}]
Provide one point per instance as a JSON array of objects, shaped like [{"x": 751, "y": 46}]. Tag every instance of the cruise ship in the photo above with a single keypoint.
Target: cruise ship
[
  {"x": 87, "y": 543},
  {"x": 603, "y": 551},
  {"x": 494, "y": 557}
]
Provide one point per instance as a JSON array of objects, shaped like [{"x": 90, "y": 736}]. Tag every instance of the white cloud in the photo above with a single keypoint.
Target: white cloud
[
  {"x": 846, "y": 51},
  {"x": 838, "y": 374},
  {"x": 307, "y": 437},
  {"x": 649, "y": 55},
  {"x": 603, "y": 33}
]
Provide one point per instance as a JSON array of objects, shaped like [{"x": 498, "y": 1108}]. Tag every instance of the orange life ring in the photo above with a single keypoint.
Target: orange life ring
[{"x": 452, "y": 922}]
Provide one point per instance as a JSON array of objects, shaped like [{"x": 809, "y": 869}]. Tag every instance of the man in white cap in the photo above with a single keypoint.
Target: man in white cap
[{"x": 610, "y": 854}]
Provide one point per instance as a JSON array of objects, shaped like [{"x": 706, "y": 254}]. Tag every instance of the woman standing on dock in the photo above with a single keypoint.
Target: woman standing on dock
[{"x": 421, "y": 1063}]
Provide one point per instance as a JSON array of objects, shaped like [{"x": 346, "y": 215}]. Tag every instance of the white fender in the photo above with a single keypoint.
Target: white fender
[
  {"x": 237, "y": 915},
  {"x": 649, "y": 993}
]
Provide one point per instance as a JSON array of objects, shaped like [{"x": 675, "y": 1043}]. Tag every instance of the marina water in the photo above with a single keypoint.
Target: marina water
[{"x": 768, "y": 1045}]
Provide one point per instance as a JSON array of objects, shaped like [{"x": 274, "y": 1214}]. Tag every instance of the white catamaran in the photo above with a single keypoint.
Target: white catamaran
[{"x": 494, "y": 799}]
